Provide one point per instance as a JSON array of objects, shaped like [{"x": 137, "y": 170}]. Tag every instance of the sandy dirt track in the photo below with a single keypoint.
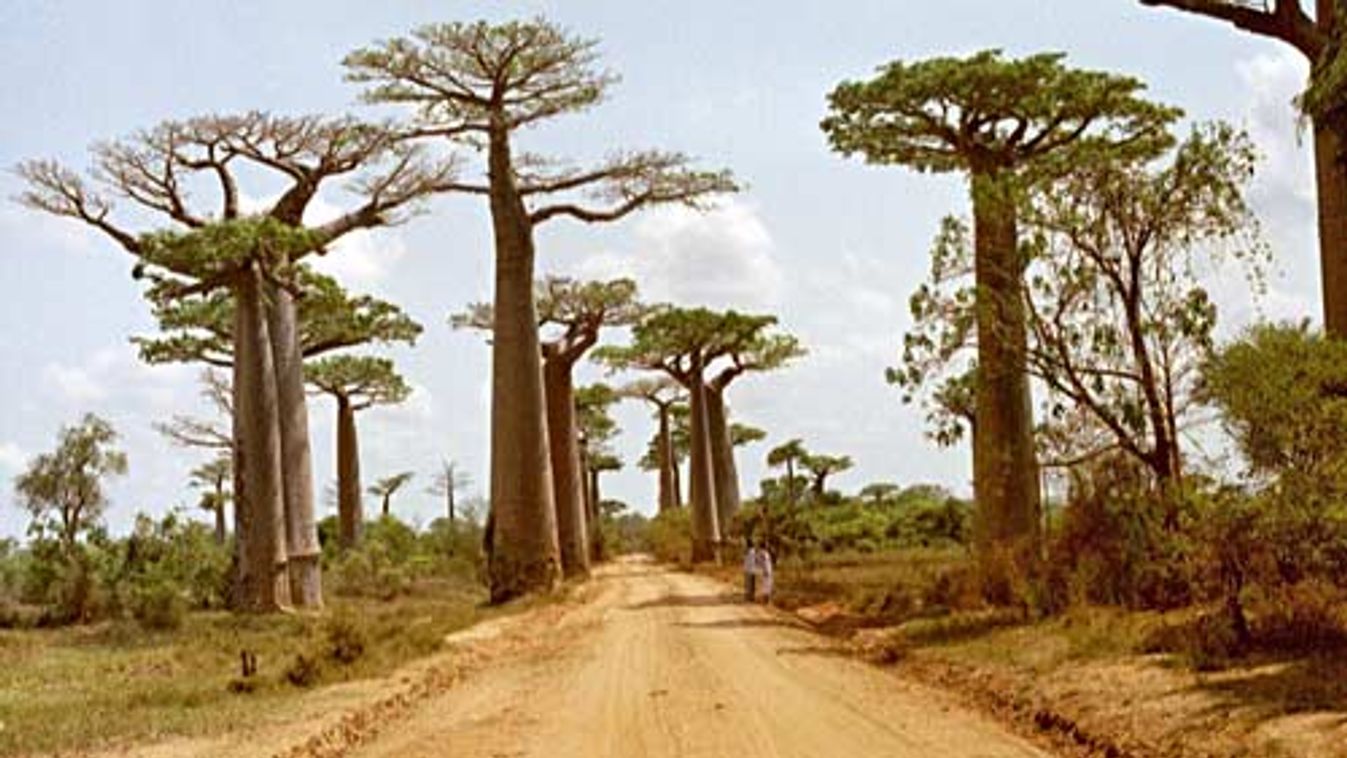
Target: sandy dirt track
[{"x": 661, "y": 663}]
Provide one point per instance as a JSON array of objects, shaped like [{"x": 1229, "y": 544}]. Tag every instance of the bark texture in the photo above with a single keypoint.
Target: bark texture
[
  {"x": 567, "y": 479},
  {"x": 1005, "y": 468},
  {"x": 668, "y": 464},
  {"x": 301, "y": 528},
  {"x": 723, "y": 469},
  {"x": 702, "y": 494},
  {"x": 1330, "y": 166},
  {"x": 350, "y": 515},
  {"x": 262, "y": 582},
  {"x": 524, "y": 554}
]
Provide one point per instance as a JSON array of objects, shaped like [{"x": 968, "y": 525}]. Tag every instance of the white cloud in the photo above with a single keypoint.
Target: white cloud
[
  {"x": 75, "y": 384},
  {"x": 721, "y": 258},
  {"x": 12, "y": 456}
]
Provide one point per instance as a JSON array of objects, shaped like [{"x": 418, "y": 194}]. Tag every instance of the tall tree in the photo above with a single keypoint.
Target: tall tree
[
  {"x": 356, "y": 383},
  {"x": 788, "y": 454},
  {"x": 684, "y": 343},
  {"x": 1318, "y": 38},
  {"x": 661, "y": 393},
  {"x": 1118, "y": 320},
  {"x": 252, "y": 257},
  {"x": 748, "y": 349},
  {"x": 387, "y": 487},
  {"x": 1004, "y": 123},
  {"x": 449, "y": 481},
  {"x": 63, "y": 490},
  {"x": 571, "y": 314},
  {"x": 595, "y": 428},
  {"x": 479, "y": 84}
]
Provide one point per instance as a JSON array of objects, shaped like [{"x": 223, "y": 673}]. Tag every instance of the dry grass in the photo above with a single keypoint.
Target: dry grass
[{"x": 115, "y": 683}]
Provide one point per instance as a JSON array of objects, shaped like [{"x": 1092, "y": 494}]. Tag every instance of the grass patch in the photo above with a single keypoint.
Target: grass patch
[{"x": 117, "y": 683}]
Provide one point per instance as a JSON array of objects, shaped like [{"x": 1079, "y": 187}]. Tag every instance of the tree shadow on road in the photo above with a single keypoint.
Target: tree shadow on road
[
  {"x": 687, "y": 601},
  {"x": 757, "y": 623}
]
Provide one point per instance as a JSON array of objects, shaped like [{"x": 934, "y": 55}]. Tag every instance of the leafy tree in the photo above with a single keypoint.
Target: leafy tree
[
  {"x": 449, "y": 481},
  {"x": 820, "y": 467},
  {"x": 661, "y": 393},
  {"x": 200, "y": 328},
  {"x": 355, "y": 383},
  {"x": 1004, "y": 123},
  {"x": 788, "y": 454},
  {"x": 571, "y": 314},
  {"x": 683, "y": 344},
  {"x": 253, "y": 257},
  {"x": 212, "y": 478},
  {"x": 879, "y": 493},
  {"x": 385, "y": 488},
  {"x": 1118, "y": 320},
  {"x": 1319, "y": 39},
  {"x": 63, "y": 490},
  {"x": 479, "y": 84}
]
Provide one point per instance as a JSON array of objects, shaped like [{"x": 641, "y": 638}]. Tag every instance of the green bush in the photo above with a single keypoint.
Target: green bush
[
  {"x": 158, "y": 603},
  {"x": 670, "y": 536}
]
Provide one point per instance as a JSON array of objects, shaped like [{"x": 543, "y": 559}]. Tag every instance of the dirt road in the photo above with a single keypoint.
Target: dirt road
[{"x": 660, "y": 663}]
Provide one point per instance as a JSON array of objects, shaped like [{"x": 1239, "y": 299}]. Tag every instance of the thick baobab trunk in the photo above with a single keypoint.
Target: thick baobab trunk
[
  {"x": 668, "y": 465},
  {"x": 705, "y": 526},
  {"x": 262, "y": 581},
  {"x": 790, "y": 480},
  {"x": 723, "y": 470},
  {"x": 524, "y": 554},
  {"x": 385, "y": 506},
  {"x": 221, "y": 530},
  {"x": 677, "y": 469},
  {"x": 588, "y": 482},
  {"x": 1005, "y": 468},
  {"x": 1330, "y": 166},
  {"x": 350, "y": 513},
  {"x": 567, "y": 480},
  {"x": 303, "y": 552}
]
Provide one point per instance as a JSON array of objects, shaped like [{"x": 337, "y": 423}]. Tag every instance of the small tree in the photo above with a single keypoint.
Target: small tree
[
  {"x": 481, "y": 83},
  {"x": 385, "y": 488},
  {"x": 212, "y": 478},
  {"x": 449, "y": 481},
  {"x": 355, "y": 383},
  {"x": 820, "y": 467},
  {"x": 879, "y": 493},
  {"x": 788, "y": 454},
  {"x": 63, "y": 490}
]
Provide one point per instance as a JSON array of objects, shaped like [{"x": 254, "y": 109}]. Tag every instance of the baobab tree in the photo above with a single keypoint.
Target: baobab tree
[
  {"x": 595, "y": 428},
  {"x": 355, "y": 383},
  {"x": 820, "y": 467},
  {"x": 1004, "y": 123},
  {"x": 448, "y": 482},
  {"x": 661, "y": 393},
  {"x": 387, "y": 487},
  {"x": 683, "y": 343},
  {"x": 212, "y": 478},
  {"x": 787, "y": 455},
  {"x": 571, "y": 315},
  {"x": 252, "y": 256},
  {"x": 479, "y": 84},
  {"x": 747, "y": 349},
  {"x": 1118, "y": 319},
  {"x": 1317, "y": 38}
]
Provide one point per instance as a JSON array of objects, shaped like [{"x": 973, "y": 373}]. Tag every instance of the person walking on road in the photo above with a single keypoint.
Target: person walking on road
[
  {"x": 750, "y": 571},
  {"x": 764, "y": 574}
]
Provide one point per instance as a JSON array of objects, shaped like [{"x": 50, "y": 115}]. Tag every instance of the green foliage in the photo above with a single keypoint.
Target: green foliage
[
  {"x": 200, "y": 327},
  {"x": 669, "y": 536},
  {"x": 393, "y": 560},
  {"x": 222, "y": 247},
  {"x": 985, "y": 112},
  {"x": 363, "y": 380},
  {"x": 675, "y": 339},
  {"x": 63, "y": 490}
]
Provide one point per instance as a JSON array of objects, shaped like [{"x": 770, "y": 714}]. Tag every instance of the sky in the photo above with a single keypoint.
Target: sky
[{"x": 831, "y": 246}]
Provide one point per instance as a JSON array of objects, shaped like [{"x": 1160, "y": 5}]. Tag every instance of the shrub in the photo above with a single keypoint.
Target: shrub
[
  {"x": 670, "y": 536},
  {"x": 346, "y": 638},
  {"x": 157, "y": 603},
  {"x": 303, "y": 671},
  {"x": 1307, "y": 617}
]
